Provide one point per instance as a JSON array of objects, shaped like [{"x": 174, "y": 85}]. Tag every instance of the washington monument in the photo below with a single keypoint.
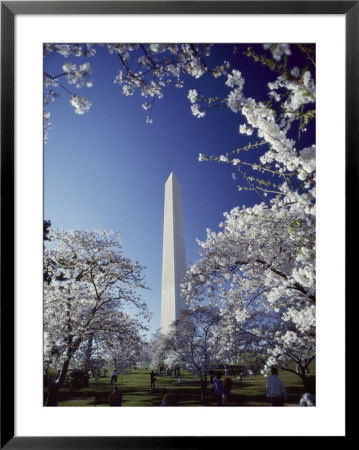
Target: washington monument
[{"x": 173, "y": 256}]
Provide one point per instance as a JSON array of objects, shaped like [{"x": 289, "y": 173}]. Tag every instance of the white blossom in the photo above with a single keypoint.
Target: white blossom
[
  {"x": 196, "y": 111},
  {"x": 295, "y": 72},
  {"x": 78, "y": 75},
  {"x": 223, "y": 158},
  {"x": 278, "y": 50},
  {"x": 202, "y": 157},
  {"x": 192, "y": 95},
  {"x": 244, "y": 129},
  {"x": 128, "y": 90},
  {"x": 81, "y": 104},
  {"x": 157, "y": 48}
]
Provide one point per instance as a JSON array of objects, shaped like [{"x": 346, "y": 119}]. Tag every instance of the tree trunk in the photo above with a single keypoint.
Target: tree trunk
[
  {"x": 54, "y": 387},
  {"x": 88, "y": 360},
  {"x": 308, "y": 380},
  {"x": 309, "y": 384}
]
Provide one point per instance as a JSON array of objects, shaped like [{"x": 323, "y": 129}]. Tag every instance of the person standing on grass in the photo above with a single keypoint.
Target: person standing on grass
[
  {"x": 227, "y": 399},
  {"x": 112, "y": 378},
  {"x": 115, "y": 398},
  {"x": 275, "y": 389},
  {"x": 218, "y": 388},
  {"x": 153, "y": 379}
]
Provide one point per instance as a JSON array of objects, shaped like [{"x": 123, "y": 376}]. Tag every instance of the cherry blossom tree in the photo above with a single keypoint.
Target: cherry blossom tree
[
  {"x": 143, "y": 360},
  {"x": 88, "y": 358},
  {"x": 158, "y": 351},
  {"x": 89, "y": 283},
  {"x": 261, "y": 271},
  {"x": 262, "y": 265},
  {"x": 119, "y": 348},
  {"x": 190, "y": 341},
  {"x": 123, "y": 350}
]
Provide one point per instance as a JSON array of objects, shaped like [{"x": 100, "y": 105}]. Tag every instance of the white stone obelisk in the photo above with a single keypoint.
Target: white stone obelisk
[{"x": 173, "y": 256}]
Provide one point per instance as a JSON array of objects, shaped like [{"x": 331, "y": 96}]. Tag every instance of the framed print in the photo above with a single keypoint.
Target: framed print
[{"x": 96, "y": 162}]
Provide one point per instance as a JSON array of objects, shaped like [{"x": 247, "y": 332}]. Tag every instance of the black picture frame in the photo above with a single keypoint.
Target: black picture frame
[{"x": 9, "y": 9}]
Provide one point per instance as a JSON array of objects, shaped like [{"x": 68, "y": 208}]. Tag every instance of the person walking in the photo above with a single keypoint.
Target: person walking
[{"x": 276, "y": 391}]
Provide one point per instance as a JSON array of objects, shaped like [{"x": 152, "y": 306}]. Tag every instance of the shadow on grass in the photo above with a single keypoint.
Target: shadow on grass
[{"x": 251, "y": 400}]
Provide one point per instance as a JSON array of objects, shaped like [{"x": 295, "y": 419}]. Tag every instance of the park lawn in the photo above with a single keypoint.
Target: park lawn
[{"x": 136, "y": 390}]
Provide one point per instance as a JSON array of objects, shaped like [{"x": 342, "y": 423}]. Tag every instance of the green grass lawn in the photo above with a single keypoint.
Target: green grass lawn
[{"x": 136, "y": 391}]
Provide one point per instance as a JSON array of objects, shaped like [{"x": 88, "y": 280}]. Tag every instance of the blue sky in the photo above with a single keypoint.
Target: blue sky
[{"x": 107, "y": 169}]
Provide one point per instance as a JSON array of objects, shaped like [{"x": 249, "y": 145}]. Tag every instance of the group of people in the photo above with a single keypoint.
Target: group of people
[
  {"x": 222, "y": 391},
  {"x": 275, "y": 389}
]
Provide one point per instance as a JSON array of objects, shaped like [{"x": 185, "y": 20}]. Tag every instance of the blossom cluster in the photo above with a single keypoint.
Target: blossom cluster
[
  {"x": 81, "y": 104},
  {"x": 158, "y": 71},
  {"x": 79, "y": 76},
  {"x": 278, "y": 50}
]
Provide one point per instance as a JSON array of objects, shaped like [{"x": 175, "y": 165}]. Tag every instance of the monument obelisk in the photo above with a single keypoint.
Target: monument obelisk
[{"x": 173, "y": 256}]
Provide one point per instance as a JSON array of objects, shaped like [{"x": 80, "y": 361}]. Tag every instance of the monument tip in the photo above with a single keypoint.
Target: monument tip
[{"x": 172, "y": 175}]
